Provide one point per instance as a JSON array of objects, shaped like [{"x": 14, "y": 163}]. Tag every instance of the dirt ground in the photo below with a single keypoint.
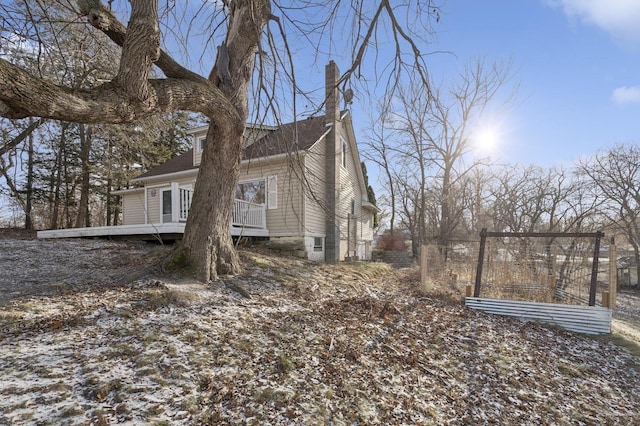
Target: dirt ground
[
  {"x": 90, "y": 334},
  {"x": 32, "y": 268}
]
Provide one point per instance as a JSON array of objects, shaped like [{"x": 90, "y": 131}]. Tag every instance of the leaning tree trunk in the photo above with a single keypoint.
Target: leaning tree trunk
[
  {"x": 207, "y": 237},
  {"x": 207, "y": 244}
]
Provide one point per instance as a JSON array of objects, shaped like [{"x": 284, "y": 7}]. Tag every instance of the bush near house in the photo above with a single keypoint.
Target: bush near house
[{"x": 392, "y": 241}]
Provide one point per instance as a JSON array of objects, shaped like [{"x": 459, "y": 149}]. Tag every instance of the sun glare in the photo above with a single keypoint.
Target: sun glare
[{"x": 486, "y": 141}]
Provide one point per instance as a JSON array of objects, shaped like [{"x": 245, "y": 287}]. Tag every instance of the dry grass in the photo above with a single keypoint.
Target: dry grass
[{"x": 316, "y": 344}]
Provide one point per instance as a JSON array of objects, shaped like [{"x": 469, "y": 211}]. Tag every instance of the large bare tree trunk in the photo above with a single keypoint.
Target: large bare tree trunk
[
  {"x": 207, "y": 237},
  {"x": 207, "y": 242}
]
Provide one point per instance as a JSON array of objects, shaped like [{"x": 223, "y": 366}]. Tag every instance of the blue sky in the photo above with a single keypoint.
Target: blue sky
[{"x": 577, "y": 63}]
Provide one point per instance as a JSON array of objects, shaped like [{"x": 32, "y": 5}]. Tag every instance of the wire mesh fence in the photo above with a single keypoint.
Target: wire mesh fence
[
  {"x": 546, "y": 268},
  {"x": 453, "y": 266}
]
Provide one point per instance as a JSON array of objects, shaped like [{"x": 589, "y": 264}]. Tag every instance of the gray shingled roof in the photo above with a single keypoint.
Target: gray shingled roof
[
  {"x": 279, "y": 141},
  {"x": 177, "y": 164}
]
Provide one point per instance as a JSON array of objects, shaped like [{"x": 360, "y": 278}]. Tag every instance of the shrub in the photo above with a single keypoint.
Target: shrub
[{"x": 391, "y": 242}]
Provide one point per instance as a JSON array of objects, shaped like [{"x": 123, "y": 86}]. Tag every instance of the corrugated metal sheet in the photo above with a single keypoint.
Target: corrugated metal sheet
[{"x": 583, "y": 319}]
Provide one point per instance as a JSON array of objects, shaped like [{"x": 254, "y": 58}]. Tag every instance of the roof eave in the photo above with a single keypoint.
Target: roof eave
[
  {"x": 164, "y": 176},
  {"x": 369, "y": 206},
  {"x": 127, "y": 191}
]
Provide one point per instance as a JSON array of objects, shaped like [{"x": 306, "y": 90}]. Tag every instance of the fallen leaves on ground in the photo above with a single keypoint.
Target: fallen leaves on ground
[{"x": 315, "y": 344}]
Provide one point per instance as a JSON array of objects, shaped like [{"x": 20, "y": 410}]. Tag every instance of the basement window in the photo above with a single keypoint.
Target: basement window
[{"x": 317, "y": 244}]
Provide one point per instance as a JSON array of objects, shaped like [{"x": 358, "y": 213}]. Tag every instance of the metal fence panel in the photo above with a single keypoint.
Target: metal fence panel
[{"x": 582, "y": 319}]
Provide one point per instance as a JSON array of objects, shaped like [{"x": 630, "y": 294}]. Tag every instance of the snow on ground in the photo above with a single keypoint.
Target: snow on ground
[{"x": 315, "y": 344}]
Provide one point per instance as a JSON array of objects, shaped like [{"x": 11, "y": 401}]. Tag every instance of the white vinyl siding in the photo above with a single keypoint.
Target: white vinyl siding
[
  {"x": 349, "y": 190},
  {"x": 133, "y": 204},
  {"x": 348, "y": 199},
  {"x": 315, "y": 196},
  {"x": 154, "y": 195},
  {"x": 353, "y": 219},
  {"x": 133, "y": 207},
  {"x": 198, "y": 146},
  {"x": 284, "y": 214},
  {"x": 272, "y": 192}
]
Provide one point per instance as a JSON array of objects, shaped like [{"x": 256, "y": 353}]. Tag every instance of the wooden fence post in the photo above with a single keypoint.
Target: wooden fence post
[
  {"x": 483, "y": 241},
  {"x": 613, "y": 274},
  {"x": 594, "y": 270},
  {"x": 468, "y": 290}
]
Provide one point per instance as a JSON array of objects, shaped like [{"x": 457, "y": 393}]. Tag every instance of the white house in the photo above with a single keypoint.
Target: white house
[{"x": 301, "y": 186}]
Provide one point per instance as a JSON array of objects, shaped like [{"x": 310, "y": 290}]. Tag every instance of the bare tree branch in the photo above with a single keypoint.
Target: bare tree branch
[{"x": 8, "y": 146}]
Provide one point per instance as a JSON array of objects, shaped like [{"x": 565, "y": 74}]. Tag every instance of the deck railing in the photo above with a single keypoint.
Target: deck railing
[
  {"x": 248, "y": 215},
  {"x": 243, "y": 215},
  {"x": 185, "y": 202}
]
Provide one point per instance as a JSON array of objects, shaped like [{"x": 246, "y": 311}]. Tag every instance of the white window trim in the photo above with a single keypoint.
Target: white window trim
[
  {"x": 272, "y": 192},
  {"x": 266, "y": 190},
  {"x": 162, "y": 191},
  {"x": 200, "y": 140},
  {"x": 344, "y": 146}
]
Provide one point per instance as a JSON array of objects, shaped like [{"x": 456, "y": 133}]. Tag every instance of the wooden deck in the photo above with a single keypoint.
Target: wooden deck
[{"x": 163, "y": 231}]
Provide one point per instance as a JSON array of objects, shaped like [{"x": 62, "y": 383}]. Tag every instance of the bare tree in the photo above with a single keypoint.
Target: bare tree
[
  {"x": 615, "y": 179},
  {"x": 533, "y": 199},
  {"x": 435, "y": 130},
  {"x": 379, "y": 151},
  {"x": 475, "y": 195},
  {"x": 243, "y": 33}
]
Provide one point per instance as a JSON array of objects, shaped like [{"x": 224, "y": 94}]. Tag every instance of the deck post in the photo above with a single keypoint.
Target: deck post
[{"x": 175, "y": 202}]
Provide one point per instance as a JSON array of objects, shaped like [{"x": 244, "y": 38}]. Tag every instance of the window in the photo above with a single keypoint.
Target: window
[
  {"x": 259, "y": 191},
  {"x": 353, "y": 207},
  {"x": 344, "y": 153},
  {"x": 252, "y": 191},
  {"x": 201, "y": 142},
  {"x": 317, "y": 244}
]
